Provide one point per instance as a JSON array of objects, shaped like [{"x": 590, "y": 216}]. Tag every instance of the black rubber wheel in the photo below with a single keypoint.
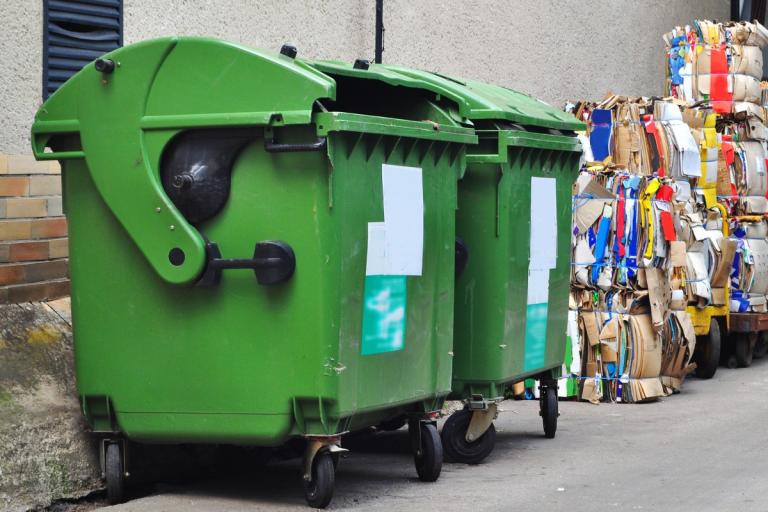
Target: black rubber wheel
[
  {"x": 743, "y": 345},
  {"x": 430, "y": 462},
  {"x": 319, "y": 491},
  {"x": 455, "y": 444},
  {"x": 549, "y": 409},
  {"x": 395, "y": 423},
  {"x": 115, "y": 473},
  {"x": 761, "y": 346},
  {"x": 707, "y": 352}
]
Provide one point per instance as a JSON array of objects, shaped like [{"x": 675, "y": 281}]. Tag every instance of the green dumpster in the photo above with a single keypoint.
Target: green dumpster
[
  {"x": 189, "y": 165},
  {"x": 514, "y": 220}
]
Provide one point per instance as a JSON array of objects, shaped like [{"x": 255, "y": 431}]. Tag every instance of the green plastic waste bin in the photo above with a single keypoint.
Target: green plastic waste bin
[
  {"x": 514, "y": 220},
  {"x": 189, "y": 165}
]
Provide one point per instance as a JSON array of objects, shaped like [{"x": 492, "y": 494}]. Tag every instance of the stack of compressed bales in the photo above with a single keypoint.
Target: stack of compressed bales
[
  {"x": 647, "y": 243},
  {"x": 718, "y": 67},
  {"x": 629, "y": 285},
  {"x": 717, "y": 63}
]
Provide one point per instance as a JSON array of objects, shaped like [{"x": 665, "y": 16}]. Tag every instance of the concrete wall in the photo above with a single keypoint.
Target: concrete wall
[
  {"x": 553, "y": 49},
  {"x": 21, "y": 56}
]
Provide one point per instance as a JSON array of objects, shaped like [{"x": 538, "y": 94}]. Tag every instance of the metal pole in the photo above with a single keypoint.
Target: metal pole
[{"x": 379, "y": 31}]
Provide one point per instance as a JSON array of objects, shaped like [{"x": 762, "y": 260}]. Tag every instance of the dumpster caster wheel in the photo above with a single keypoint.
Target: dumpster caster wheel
[
  {"x": 429, "y": 457},
  {"x": 707, "y": 353},
  {"x": 114, "y": 465},
  {"x": 743, "y": 349},
  {"x": 548, "y": 409},
  {"x": 455, "y": 444},
  {"x": 319, "y": 490}
]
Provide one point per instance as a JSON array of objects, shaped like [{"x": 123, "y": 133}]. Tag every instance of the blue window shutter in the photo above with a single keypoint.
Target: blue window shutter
[{"x": 76, "y": 33}]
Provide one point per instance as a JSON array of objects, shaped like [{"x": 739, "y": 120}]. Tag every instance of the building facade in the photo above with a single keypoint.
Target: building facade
[{"x": 552, "y": 49}]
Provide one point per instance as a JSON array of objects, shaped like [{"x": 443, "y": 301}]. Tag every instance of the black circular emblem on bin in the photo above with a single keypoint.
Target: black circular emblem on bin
[{"x": 176, "y": 256}]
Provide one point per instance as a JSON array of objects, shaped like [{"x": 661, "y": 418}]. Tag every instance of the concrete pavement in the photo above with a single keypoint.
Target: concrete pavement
[{"x": 703, "y": 450}]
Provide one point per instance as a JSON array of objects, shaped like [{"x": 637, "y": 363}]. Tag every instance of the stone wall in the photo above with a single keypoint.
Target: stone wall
[{"x": 45, "y": 452}]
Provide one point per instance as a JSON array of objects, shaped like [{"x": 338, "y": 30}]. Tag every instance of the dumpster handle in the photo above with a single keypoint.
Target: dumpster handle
[
  {"x": 273, "y": 262},
  {"x": 272, "y": 146}
]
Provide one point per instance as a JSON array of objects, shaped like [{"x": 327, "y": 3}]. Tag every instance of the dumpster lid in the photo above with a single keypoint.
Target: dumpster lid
[
  {"x": 475, "y": 100},
  {"x": 493, "y": 102},
  {"x": 193, "y": 82}
]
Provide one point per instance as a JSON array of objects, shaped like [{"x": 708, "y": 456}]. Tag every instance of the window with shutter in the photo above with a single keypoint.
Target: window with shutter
[{"x": 76, "y": 33}]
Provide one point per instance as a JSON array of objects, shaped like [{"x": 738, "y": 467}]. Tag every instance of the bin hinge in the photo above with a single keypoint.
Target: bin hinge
[{"x": 272, "y": 146}]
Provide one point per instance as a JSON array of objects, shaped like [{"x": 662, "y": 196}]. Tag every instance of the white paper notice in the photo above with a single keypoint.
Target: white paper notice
[
  {"x": 396, "y": 246},
  {"x": 376, "y": 263},
  {"x": 538, "y": 286},
  {"x": 403, "y": 219},
  {"x": 543, "y": 223}
]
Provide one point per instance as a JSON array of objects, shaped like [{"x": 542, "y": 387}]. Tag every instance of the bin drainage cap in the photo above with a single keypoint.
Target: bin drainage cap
[
  {"x": 289, "y": 51},
  {"x": 105, "y": 66},
  {"x": 362, "y": 64}
]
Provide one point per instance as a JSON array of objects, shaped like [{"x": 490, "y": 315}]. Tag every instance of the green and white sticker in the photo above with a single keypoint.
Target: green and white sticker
[
  {"x": 384, "y": 314},
  {"x": 395, "y": 251}
]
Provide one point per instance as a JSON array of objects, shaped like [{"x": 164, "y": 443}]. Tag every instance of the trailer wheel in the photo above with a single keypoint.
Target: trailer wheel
[
  {"x": 761, "y": 346},
  {"x": 744, "y": 344},
  {"x": 707, "y": 353}
]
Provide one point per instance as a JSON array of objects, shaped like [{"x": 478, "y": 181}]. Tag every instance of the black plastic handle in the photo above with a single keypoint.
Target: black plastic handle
[
  {"x": 253, "y": 263},
  {"x": 273, "y": 262},
  {"x": 272, "y": 146}
]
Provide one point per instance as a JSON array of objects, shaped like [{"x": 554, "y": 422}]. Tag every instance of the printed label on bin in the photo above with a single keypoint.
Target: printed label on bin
[
  {"x": 395, "y": 251},
  {"x": 543, "y": 257},
  {"x": 384, "y": 307}
]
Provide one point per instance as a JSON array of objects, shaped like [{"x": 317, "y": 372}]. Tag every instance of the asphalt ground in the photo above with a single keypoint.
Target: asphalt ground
[{"x": 704, "y": 449}]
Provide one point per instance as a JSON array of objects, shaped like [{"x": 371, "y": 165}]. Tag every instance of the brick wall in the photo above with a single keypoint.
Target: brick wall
[{"x": 33, "y": 231}]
